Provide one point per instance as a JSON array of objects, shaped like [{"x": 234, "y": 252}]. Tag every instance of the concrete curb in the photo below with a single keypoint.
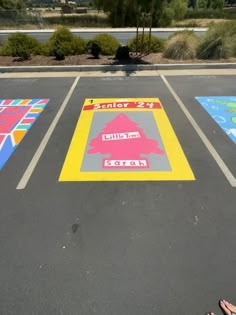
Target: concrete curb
[{"x": 114, "y": 68}]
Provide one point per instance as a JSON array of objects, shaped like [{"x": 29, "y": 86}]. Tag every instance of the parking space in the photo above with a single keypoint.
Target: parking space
[
  {"x": 215, "y": 92},
  {"x": 81, "y": 237},
  {"x": 54, "y": 91}
]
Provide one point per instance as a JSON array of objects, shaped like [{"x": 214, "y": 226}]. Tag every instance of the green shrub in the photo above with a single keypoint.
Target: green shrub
[
  {"x": 202, "y": 4},
  {"x": 218, "y": 42},
  {"x": 172, "y": 10},
  {"x": 180, "y": 8},
  {"x": 78, "y": 46},
  {"x": 218, "y": 4},
  {"x": 61, "y": 39},
  {"x": 167, "y": 17},
  {"x": 94, "y": 48},
  {"x": 156, "y": 44},
  {"x": 45, "y": 49},
  {"x": 204, "y": 14},
  {"x": 20, "y": 45},
  {"x": 15, "y": 17},
  {"x": 189, "y": 33},
  {"x": 107, "y": 42},
  {"x": 233, "y": 48},
  {"x": 64, "y": 41},
  {"x": 211, "y": 14},
  {"x": 84, "y": 20},
  {"x": 182, "y": 46},
  {"x": 188, "y": 24},
  {"x": 224, "y": 28},
  {"x": 1, "y": 46},
  {"x": 122, "y": 53},
  {"x": 214, "y": 47}
]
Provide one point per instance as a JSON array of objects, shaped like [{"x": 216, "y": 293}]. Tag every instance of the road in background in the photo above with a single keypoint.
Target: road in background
[{"x": 122, "y": 35}]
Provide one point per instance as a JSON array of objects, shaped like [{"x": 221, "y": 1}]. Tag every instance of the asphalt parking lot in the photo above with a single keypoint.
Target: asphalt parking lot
[{"x": 159, "y": 240}]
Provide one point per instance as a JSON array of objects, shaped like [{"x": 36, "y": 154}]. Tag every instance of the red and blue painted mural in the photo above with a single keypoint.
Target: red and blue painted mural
[{"x": 16, "y": 118}]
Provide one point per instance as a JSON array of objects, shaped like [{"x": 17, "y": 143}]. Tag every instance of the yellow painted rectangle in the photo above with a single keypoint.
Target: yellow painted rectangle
[
  {"x": 180, "y": 169},
  {"x": 25, "y": 101},
  {"x": 36, "y": 110}
]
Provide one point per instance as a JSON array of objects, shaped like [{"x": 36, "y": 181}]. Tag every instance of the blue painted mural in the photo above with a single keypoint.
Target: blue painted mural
[{"x": 223, "y": 110}]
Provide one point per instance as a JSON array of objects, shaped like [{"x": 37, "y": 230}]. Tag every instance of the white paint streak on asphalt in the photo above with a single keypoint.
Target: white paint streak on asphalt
[
  {"x": 224, "y": 168},
  {"x": 29, "y": 170}
]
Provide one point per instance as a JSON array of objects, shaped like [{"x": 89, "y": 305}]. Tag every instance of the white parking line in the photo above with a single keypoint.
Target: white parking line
[
  {"x": 224, "y": 168},
  {"x": 33, "y": 163}
]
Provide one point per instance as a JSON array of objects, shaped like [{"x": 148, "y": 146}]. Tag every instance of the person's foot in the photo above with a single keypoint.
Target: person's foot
[{"x": 228, "y": 308}]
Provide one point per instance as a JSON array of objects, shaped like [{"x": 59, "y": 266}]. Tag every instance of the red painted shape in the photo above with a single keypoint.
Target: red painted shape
[
  {"x": 122, "y": 105},
  {"x": 44, "y": 101},
  {"x": 10, "y": 116},
  {"x": 124, "y": 141},
  {"x": 7, "y": 102},
  {"x": 28, "y": 121},
  {"x": 1, "y": 138}
]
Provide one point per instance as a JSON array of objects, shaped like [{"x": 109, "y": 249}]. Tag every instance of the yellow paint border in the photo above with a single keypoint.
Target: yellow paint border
[{"x": 74, "y": 158}]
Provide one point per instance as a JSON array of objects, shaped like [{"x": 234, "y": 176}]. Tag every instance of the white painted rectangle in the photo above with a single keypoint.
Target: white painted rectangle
[{"x": 120, "y": 136}]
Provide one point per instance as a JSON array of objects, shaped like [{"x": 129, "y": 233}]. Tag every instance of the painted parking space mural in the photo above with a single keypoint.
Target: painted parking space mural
[
  {"x": 124, "y": 139},
  {"x": 16, "y": 118},
  {"x": 223, "y": 110}
]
